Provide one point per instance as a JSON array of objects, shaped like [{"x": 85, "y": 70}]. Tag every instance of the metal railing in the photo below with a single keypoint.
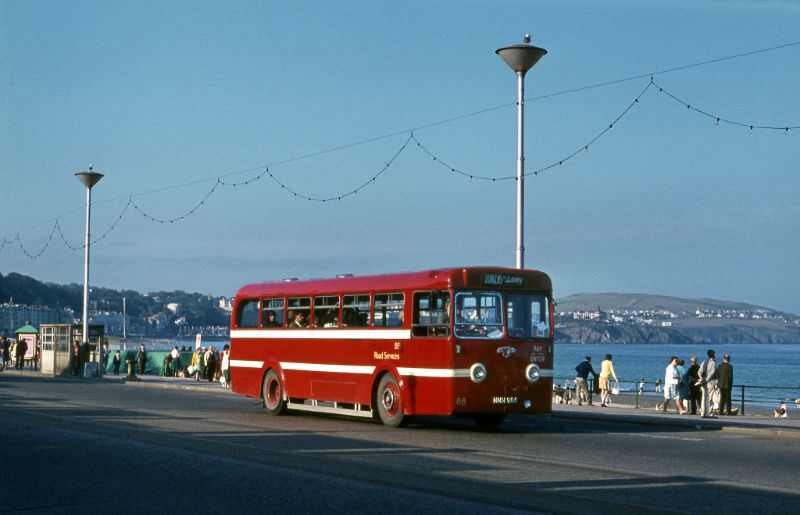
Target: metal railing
[{"x": 643, "y": 391}]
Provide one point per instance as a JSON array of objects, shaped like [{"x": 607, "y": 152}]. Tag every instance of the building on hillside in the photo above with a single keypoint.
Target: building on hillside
[
  {"x": 14, "y": 315},
  {"x": 225, "y": 304}
]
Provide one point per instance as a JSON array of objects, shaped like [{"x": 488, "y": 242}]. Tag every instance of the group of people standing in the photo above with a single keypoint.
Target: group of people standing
[
  {"x": 14, "y": 353},
  {"x": 603, "y": 380},
  {"x": 207, "y": 363},
  {"x": 212, "y": 365},
  {"x": 707, "y": 386}
]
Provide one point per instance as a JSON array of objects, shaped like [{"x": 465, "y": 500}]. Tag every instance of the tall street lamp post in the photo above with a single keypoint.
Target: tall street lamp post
[
  {"x": 89, "y": 179},
  {"x": 521, "y": 58}
]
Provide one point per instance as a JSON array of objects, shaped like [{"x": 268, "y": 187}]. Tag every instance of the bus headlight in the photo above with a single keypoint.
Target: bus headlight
[
  {"x": 477, "y": 372},
  {"x": 532, "y": 373}
]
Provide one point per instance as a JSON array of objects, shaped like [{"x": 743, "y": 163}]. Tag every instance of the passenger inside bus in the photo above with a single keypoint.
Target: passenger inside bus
[
  {"x": 271, "y": 322},
  {"x": 299, "y": 320},
  {"x": 333, "y": 320}
]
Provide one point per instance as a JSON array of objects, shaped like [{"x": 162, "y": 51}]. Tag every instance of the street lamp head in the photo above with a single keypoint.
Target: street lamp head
[
  {"x": 523, "y": 57},
  {"x": 89, "y": 178}
]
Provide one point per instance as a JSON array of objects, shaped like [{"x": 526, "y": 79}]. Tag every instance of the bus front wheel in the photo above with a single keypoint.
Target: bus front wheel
[
  {"x": 272, "y": 393},
  {"x": 388, "y": 402}
]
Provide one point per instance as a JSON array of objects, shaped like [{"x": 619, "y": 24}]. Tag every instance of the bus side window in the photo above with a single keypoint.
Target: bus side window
[
  {"x": 272, "y": 313},
  {"x": 355, "y": 311},
  {"x": 326, "y": 311},
  {"x": 431, "y": 314},
  {"x": 299, "y": 309},
  {"x": 388, "y": 310},
  {"x": 247, "y": 313}
]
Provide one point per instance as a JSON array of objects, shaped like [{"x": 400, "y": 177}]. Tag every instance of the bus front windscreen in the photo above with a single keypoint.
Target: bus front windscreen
[
  {"x": 528, "y": 315},
  {"x": 479, "y": 315}
]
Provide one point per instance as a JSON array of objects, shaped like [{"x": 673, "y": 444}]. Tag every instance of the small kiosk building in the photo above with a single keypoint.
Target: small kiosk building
[{"x": 57, "y": 341}]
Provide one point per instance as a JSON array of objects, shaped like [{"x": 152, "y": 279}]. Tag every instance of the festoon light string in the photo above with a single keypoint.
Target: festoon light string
[{"x": 411, "y": 137}]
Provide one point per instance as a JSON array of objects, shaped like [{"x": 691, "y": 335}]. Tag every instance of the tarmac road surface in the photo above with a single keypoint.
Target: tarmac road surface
[{"x": 94, "y": 446}]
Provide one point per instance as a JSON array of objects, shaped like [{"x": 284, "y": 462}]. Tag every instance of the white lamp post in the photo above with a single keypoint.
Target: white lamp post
[
  {"x": 521, "y": 58},
  {"x": 89, "y": 179}
]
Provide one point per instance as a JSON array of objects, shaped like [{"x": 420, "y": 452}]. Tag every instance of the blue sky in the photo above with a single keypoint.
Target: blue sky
[{"x": 165, "y": 97}]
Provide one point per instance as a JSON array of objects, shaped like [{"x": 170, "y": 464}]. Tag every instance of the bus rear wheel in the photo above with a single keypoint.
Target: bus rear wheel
[
  {"x": 272, "y": 393},
  {"x": 388, "y": 402},
  {"x": 489, "y": 421}
]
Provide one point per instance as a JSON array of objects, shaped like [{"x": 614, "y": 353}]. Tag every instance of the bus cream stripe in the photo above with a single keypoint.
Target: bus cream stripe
[
  {"x": 321, "y": 334},
  {"x": 433, "y": 372},
  {"x": 322, "y": 367},
  {"x": 246, "y": 364}
]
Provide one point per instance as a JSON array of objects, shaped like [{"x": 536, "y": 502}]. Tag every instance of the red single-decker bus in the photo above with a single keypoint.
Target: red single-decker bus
[{"x": 472, "y": 342}]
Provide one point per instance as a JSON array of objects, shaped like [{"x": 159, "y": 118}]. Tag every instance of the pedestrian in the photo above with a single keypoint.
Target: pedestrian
[
  {"x": 76, "y": 359},
  {"x": 671, "y": 381},
  {"x": 693, "y": 379},
  {"x": 658, "y": 385},
  {"x": 606, "y": 373},
  {"x": 641, "y": 386},
  {"x": 683, "y": 386},
  {"x": 176, "y": 361},
  {"x": 583, "y": 369},
  {"x": 141, "y": 358},
  {"x": 725, "y": 378},
  {"x": 6, "y": 351},
  {"x": 104, "y": 358},
  {"x": 210, "y": 362},
  {"x": 782, "y": 411},
  {"x": 197, "y": 363},
  {"x": 116, "y": 362},
  {"x": 226, "y": 366},
  {"x": 166, "y": 365},
  {"x": 36, "y": 357},
  {"x": 21, "y": 350},
  {"x": 709, "y": 385}
]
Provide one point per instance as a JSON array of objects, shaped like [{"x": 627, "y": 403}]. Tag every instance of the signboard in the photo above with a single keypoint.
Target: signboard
[
  {"x": 89, "y": 369},
  {"x": 502, "y": 279}
]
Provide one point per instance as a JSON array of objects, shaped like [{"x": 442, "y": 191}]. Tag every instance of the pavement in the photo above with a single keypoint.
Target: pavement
[
  {"x": 758, "y": 423},
  {"x": 627, "y": 414}
]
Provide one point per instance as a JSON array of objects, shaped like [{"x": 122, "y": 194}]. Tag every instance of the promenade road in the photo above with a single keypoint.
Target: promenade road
[{"x": 165, "y": 445}]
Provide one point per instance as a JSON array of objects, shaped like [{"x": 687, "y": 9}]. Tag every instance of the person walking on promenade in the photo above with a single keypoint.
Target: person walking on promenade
[
  {"x": 693, "y": 378},
  {"x": 583, "y": 370},
  {"x": 116, "y": 362},
  {"x": 166, "y": 365},
  {"x": 210, "y": 362},
  {"x": 683, "y": 386},
  {"x": 176, "y": 361},
  {"x": 197, "y": 362},
  {"x": 104, "y": 358},
  {"x": 141, "y": 358},
  {"x": 22, "y": 349},
  {"x": 5, "y": 350},
  {"x": 226, "y": 366},
  {"x": 671, "y": 379},
  {"x": 606, "y": 372},
  {"x": 709, "y": 385},
  {"x": 725, "y": 378},
  {"x": 76, "y": 359}
]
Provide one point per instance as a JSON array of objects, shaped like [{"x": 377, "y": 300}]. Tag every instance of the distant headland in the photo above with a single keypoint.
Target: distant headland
[{"x": 658, "y": 319}]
